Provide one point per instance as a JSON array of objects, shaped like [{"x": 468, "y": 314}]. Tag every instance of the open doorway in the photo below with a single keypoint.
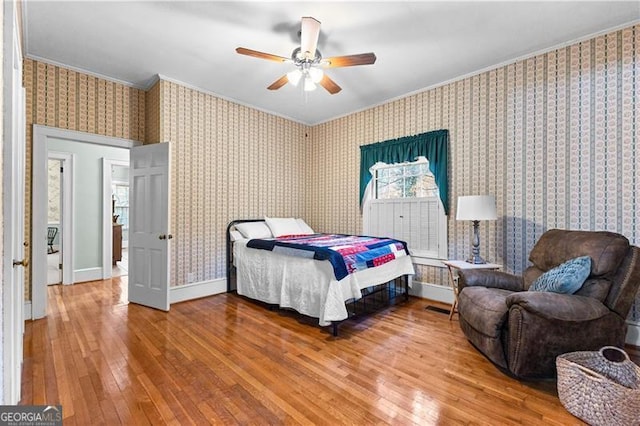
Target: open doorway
[
  {"x": 82, "y": 242},
  {"x": 54, "y": 221},
  {"x": 120, "y": 216},
  {"x": 59, "y": 217}
]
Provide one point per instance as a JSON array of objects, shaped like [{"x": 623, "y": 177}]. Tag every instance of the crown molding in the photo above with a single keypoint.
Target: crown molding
[
  {"x": 83, "y": 71},
  {"x": 226, "y": 98}
]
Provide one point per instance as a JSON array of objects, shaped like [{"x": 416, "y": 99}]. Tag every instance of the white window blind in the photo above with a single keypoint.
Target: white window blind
[{"x": 420, "y": 222}]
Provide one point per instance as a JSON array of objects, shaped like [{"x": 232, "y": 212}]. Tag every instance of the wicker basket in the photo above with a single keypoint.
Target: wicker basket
[{"x": 601, "y": 387}]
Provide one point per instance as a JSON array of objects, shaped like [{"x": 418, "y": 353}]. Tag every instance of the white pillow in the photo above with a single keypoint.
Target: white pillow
[
  {"x": 254, "y": 230},
  {"x": 283, "y": 226},
  {"x": 304, "y": 228},
  {"x": 236, "y": 236}
]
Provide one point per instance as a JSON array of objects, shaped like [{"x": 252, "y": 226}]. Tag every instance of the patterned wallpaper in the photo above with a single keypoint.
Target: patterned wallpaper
[
  {"x": 53, "y": 213},
  {"x": 554, "y": 137},
  {"x": 67, "y": 99},
  {"x": 152, "y": 114},
  {"x": 227, "y": 162}
]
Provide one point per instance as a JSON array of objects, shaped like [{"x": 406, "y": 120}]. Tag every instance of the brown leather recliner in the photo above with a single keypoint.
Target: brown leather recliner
[{"x": 523, "y": 331}]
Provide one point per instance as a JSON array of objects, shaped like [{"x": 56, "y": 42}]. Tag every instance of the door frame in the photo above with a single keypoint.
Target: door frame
[
  {"x": 41, "y": 135},
  {"x": 13, "y": 204},
  {"x": 67, "y": 237},
  {"x": 107, "y": 219}
]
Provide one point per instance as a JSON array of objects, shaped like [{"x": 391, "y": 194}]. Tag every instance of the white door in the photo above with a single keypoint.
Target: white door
[
  {"x": 149, "y": 226},
  {"x": 13, "y": 214}
]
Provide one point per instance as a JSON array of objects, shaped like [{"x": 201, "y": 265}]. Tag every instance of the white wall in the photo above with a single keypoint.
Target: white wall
[{"x": 87, "y": 194}]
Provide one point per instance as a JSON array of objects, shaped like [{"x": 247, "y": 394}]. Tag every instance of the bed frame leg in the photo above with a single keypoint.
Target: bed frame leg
[
  {"x": 406, "y": 288},
  {"x": 334, "y": 327}
]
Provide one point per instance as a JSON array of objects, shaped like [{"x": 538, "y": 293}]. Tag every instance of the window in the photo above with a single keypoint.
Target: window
[
  {"x": 433, "y": 146},
  {"x": 405, "y": 205},
  {"x": 407, "y": 180}
]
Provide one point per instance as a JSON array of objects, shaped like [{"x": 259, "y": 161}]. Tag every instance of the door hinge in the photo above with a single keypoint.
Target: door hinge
[
  {"x": 59, "y": 265},
  {"x": 61, "y": 169}
]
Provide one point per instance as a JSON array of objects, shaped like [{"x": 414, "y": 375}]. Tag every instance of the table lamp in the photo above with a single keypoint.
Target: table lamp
[{"x": 476, "y": 208}]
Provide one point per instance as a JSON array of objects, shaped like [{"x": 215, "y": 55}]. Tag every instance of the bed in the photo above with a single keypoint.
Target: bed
[{"x": 312, "y": 287}]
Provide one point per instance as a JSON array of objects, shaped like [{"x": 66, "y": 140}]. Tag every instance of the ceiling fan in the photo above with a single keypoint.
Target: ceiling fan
[{"x": 309, "y": 62}]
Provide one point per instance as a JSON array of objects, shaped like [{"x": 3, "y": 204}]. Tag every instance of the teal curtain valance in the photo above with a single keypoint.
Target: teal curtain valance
[{"x": 432, "y": 145}]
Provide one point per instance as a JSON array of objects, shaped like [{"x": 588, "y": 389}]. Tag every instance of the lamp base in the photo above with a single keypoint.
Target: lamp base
[
  {"x": 476, "y": 260},
  {"x": 475, "y": 249}
]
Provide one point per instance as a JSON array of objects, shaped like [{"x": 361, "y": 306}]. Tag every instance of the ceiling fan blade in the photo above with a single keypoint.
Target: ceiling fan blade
[
  {"x": 349, "y": 60},
  {"x": 261, "y": 55},
  {"x": 309, "y": 34},
  {"x": 279, "y": 83},
  {"x": 330, "y": 85}
]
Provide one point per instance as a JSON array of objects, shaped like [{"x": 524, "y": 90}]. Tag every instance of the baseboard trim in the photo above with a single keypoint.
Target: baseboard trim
[
  {"x": 182, "y": 293},
  {"x": 444, "y": 294},
  {"x": 438, "y": 293},
  {"x": 88, "y": 274},
  {"x": 27, "y": 310}
]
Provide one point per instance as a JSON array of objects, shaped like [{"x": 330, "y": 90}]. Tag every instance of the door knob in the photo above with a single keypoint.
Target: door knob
[
  {"x": 24, "y": 262},
  {"x": 162, "y": 237}
]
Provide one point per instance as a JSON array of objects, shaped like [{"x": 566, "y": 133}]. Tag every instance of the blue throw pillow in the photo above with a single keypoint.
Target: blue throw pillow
[{"x": 566, "y": 278}]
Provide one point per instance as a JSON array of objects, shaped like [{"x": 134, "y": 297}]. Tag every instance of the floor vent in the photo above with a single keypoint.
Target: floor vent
[{"x": 437, "y": 309}]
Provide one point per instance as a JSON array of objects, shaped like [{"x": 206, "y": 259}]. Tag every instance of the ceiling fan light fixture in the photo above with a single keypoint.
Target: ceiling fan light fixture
[
  {"x": 294, "y": 76},
  {"x": 316, "y": 74},
  {"x": 308, "y": 61},
  {"x": 309, "y": 85}
]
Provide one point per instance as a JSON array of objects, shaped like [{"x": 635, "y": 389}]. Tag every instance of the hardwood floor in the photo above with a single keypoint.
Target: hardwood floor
[{"x": 226, "y": 360}]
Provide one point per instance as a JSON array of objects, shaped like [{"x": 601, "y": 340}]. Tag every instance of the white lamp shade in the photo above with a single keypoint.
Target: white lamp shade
[{"x": 476, "y": 207}]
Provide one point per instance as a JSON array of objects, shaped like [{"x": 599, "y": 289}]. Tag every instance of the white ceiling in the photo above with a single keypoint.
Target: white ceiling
[{"x": 418, "y": 44}]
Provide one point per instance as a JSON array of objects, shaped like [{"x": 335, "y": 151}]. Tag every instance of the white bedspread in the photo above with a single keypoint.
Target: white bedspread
[{"x": 309, "y": 286}]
